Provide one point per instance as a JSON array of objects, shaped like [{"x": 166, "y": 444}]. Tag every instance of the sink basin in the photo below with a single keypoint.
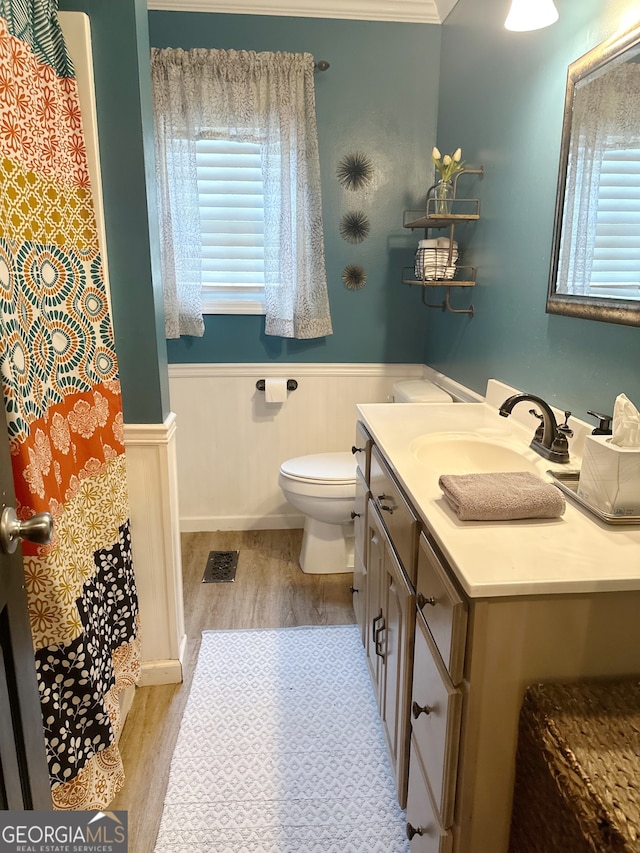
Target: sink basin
[{"x": 468, "y": 453}]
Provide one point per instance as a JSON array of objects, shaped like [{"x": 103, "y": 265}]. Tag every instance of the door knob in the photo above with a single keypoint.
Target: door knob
[
  {"x": 38, "y": 529},
  {"x": 420, "y": 709},
  {"x": 422, "y": 601},
  {"x": 414, "y": 830}
]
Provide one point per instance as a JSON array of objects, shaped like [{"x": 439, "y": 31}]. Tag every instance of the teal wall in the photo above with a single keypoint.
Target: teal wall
[
  {"x": 497, "y": 94},
  {"x": 120, "y": 44},
  {"x": 379, "y": 97},
  {"x": 501, "y": 99}
]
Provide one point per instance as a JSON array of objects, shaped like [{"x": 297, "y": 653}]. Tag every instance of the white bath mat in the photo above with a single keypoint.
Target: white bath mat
[{"x": 281, "y": 750}]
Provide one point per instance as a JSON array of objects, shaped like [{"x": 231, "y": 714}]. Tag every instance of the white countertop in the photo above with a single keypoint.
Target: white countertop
[{"x": 576, "y": 553}]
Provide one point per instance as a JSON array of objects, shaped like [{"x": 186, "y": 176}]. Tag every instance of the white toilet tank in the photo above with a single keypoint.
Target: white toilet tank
[{"x": 419, "y": 391}]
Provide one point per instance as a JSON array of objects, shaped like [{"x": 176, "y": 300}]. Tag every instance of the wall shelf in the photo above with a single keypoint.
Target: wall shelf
[
  {"x": 459, "y": 210},
  {"x": 468, "y": 278},
  {"x": 419, "y": 219}
]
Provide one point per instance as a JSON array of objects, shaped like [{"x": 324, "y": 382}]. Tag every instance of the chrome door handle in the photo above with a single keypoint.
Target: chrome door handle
[{"x": 38, "y": 529}]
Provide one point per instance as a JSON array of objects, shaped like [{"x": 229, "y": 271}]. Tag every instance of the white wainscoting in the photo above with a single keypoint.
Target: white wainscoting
[
  {"x": 231, "y": 443},
  {"x": 155, "y": 536}
]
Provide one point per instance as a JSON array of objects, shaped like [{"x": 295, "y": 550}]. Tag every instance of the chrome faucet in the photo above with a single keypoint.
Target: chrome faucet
[{"x": 551, "y": 442}]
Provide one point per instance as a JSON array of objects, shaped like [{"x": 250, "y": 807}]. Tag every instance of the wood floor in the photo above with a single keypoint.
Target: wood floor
[{"x": 270, "y": 591}]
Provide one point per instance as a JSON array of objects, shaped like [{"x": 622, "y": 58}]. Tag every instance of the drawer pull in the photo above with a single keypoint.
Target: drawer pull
[
  {"x": 352, "y": 589},
  {"x": 422, "y": 601},
  {"x": 355, "y": 514},
  {"x": 386, "y": 507},
  {"x": 373, "y": 625},
  {"x": 378, "y": 642},
  {"x": 355, "y": 449},
  {"x": 413, "y": 830},
  {"x": 420, "y": 709}
]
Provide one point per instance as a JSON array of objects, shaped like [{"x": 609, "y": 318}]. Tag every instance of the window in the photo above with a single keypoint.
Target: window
[
  {"x": 231, "y": 206},
  {"x": 616, "y": 256},
  {"x": 241, "y": 221}
]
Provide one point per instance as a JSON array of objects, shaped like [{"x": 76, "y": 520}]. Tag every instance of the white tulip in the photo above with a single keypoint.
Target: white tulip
[
  {"x": 435, "y": 154},
  {"x": 457, "y": 155},
  {"x": 446, "y": 160}
]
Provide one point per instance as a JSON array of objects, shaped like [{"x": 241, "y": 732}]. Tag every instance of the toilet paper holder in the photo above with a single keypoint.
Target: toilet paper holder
[{"x": 292, "y": 384}]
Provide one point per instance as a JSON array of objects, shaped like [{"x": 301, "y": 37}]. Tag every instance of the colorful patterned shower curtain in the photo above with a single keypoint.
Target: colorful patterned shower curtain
[{"x": 60, "y": 381}]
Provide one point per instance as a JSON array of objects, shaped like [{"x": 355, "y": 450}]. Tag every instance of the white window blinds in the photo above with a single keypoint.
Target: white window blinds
[
  {"x": 231, "y": 207},
  {"x": 616, "y": 259}
]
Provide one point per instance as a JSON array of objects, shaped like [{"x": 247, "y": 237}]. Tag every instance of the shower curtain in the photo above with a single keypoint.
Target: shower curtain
[{"x": 59, "y": 377}]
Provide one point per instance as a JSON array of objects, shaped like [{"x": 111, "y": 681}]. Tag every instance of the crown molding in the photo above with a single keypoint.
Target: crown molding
[{"x": 404, "y": 11}]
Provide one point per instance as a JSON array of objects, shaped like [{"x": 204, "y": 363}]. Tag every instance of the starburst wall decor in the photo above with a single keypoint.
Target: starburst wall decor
[
  {"x": 355, "y": 171},
  {"x": 355, "y": 226},
  {"x": 354, "y": 277}
]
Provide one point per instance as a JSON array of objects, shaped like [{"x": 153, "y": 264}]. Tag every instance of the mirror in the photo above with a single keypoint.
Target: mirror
[{"x": 595, "y": 258}]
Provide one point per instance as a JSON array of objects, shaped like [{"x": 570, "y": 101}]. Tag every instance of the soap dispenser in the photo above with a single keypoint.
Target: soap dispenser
[{"x": 604, "y": 426}]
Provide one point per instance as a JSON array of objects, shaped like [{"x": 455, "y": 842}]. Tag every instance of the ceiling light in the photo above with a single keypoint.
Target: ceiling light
[{"x": 531, "y": 15}]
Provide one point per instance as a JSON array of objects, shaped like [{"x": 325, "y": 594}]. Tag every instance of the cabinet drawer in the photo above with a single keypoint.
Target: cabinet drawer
[
  {"x": 362, "y": 450},
  {"x": 443, "y": 608},
  {"x": 436, "y": 710},
  {"x": 360, "y": 514},
  {"x": 398, "y": 516},
  {"x": 422, "y": 825}
]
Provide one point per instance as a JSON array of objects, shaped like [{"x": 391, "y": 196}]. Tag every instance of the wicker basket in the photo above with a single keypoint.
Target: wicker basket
[
  {"x": 435, "y": 260},
  {"x": 577, "y": 784}
]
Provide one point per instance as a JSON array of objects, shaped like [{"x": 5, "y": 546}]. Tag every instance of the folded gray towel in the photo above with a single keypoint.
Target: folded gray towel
[{"x": 501, "y": 496}]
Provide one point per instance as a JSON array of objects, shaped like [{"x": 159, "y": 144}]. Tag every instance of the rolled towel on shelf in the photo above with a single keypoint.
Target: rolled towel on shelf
[{"x": 501, "y": 496}]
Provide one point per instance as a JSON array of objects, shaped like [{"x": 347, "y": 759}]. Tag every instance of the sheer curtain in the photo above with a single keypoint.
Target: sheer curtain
[
  {"x": 245, "y": 96},
  {"x": 605, "y": 117}
]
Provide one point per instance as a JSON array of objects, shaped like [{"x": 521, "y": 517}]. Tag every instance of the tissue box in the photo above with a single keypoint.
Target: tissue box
[{"x": 610, "y": 476}]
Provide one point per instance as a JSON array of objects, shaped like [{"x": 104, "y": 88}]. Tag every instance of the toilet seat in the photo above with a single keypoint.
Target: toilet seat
[
  {"x": 327, "y": 475},
  {"x": 330, "y": 468}
]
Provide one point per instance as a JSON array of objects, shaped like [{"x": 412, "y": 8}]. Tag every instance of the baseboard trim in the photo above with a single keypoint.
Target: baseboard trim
[
  {"x": 209, "y": 524},
  {"x": 125, "y": 701},
  {"x": 156, "y": 672}
]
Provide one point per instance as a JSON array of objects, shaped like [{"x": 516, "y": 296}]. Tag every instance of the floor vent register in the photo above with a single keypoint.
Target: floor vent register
[{"x": 221, "y": 567}]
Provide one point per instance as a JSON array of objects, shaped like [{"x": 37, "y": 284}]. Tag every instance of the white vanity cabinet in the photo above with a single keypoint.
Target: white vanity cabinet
[
  {"x": 421, "y": 696},
  {"x": 452, "y": 685}
]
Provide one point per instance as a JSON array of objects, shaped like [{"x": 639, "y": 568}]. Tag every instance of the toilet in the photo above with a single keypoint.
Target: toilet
[{"x": 322, "y": 486}]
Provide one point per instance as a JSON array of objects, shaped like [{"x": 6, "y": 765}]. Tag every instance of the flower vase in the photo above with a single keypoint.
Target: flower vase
[{"x": 444, "y": 196}]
